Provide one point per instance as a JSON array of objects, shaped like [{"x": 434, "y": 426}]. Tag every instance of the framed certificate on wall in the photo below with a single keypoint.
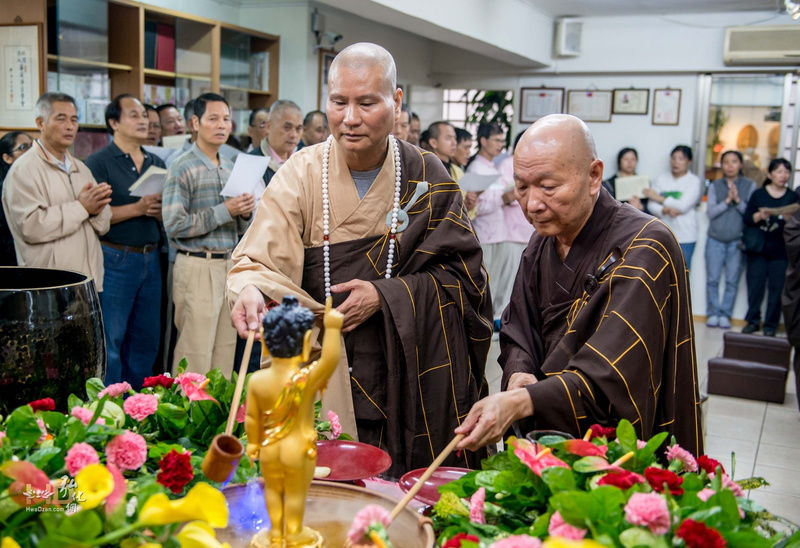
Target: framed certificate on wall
[
  {"x": 666, "y": 107},
  {"x": 631, "y": 101},
  {"x": 590, "y": 105},
  {"x": 326, "y": 57},
  {"x": 538, "y": 102}
]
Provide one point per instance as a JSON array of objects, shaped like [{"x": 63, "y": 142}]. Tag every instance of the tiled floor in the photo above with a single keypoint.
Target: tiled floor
[{"x": 765, "y": 437}]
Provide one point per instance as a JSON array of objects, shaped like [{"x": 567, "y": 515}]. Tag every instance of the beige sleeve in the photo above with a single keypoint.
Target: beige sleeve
[
  {"x": 270, "y": 256},
  {"x": 35, "y": 220}
]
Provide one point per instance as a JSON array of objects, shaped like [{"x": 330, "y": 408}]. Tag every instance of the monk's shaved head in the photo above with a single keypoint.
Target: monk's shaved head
[
  {"x": 366, "y": 56},
  {"x": 558, "y": 177},
  {"x": 563, "y": 136}
]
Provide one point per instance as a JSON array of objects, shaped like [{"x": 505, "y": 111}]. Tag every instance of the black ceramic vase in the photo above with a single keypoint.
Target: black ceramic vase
[{"x": 51, "y": 336}]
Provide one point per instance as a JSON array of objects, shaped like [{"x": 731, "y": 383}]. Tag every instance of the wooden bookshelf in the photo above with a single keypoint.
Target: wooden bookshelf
[{"x": 118, "y": 49}]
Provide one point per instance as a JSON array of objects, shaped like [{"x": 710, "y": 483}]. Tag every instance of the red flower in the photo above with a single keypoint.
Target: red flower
[
  {"x": 708, "y": 464},
  {"x": 622, "y": 479},
  {"x": 158, "y": 380},
  {"x": 602, "y": 431},
  {"x": 697, "y": 534},
  {"x": 46, "y": 404},
  {"x": 657, "y": 478},
  {"x": 176, "y": 471},
  {"x": 455, "y": 541}
]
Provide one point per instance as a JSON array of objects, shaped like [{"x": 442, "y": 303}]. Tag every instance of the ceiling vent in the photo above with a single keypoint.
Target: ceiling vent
[{"x": 768, "y": 45}]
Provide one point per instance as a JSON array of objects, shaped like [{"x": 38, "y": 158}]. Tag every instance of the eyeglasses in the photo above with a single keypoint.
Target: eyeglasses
[{"x": 22, "y": 148}]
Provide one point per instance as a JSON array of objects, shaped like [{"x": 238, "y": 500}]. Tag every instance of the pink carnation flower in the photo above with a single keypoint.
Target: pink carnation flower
[
  {"x": 336, "y": 427},
  {"x": 517, "y": 541},
  {"x": 127, "y": 451},
  {"x": 365, "y": 518},
  {"x": 649, "y": 510},
  {"x": 140, "y": 406},
  {"x": 85, "y": 415},
  {"x": 477, "y": 506},
  {"x": 560, "y": 528},
  {"x": 687, "y": 460},
  {"x": 120, "y": 488},
  {"x": 80, "y": 456},
  {"x": 115, "y": 390},
  {"x": 705, "y": 494},
  {"x": 640, "y": 444},
  {"x": 2, "y": 435}
]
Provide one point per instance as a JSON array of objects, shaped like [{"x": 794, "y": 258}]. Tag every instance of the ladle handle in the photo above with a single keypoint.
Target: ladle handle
[
  {"x": 424, "y": 477},
  {"x": 237, "y": 394}
]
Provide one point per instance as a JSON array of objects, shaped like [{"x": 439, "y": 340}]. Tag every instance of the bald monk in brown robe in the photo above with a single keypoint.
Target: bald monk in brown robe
[
  {"x": 599, "y": 327},
  {"x": 415, "y": 342}
]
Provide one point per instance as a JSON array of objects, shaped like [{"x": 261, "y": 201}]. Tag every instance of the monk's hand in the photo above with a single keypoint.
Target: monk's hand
[
  {"x": 520, "y": 380},
  {"x": 491, "y": 417},
  {"x": 248, "y": 311},
  {"x": 362, "y": 302}
]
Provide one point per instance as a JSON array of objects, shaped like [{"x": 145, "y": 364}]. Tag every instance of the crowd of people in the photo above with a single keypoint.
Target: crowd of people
[{"x": 364, "y": 207}]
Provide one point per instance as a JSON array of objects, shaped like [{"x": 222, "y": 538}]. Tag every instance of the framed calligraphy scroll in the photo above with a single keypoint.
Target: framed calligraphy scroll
[{"x": 20, "y": 82}]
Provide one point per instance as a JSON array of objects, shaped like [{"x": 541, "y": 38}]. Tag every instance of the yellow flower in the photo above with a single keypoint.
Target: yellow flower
[
  {"x": 198, "y": 534},
  {"x": 561, "y": 542},
  {"x": 9, "y": 542},
  {"x": 94, "y": 484},
  {"x": 202, "y": 502}
]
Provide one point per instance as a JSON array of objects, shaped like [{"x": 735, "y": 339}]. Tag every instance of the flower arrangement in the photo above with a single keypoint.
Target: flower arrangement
[
  {"x": 608, "y": 489},
  {"x": 120, "y": 467}
]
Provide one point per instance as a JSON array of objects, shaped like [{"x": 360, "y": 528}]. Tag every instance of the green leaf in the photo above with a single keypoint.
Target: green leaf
[
  {"x": 182, "y": 366},
  {"x": 93, "y": 387},
  {"x": 558, "y": 478},
  {"x": 487, "y": 478},
  {"x": 635, "y": 537},
  {"x": 576, "y": 507},
  {"x": 22, "y": 426},
  {"x": 110, "y": 411},
  {"x": 174, "y": 414},
  {"x": 160, "y": 449},
  {"x": 75, "y": 433},
  {"x": 54, "y": 421},
  {"x": 73, "y": 401},
  {"x": 83, "y": 526},
  {"x": 626, "y": 436},
  {"x": 43, "y": 456},
  {"x": 746, "y": 539}
]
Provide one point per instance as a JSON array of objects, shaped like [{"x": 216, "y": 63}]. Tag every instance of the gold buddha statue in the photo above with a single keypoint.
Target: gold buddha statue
[{"x": 280, "y": 417}]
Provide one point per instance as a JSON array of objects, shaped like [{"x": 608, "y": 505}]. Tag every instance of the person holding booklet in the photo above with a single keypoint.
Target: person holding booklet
[
  {"x": 132, "y": 289},
  {"x": 204, "y": 228}
]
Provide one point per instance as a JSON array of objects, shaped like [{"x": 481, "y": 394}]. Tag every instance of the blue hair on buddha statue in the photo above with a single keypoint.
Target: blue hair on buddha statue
[{"x": 285, "y": 327}]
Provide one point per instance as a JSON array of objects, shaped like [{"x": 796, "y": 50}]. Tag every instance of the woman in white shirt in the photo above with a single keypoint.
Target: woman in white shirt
[
  {"x": 674, "y": 197},
  {"x": 489, "y": 222}
]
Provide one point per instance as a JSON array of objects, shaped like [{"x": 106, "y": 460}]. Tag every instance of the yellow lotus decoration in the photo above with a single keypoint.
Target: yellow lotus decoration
[
  {"x": 198, "y": 534},
  {"x": 202, "y": 502},
  {"x": 94, "y": 484}
]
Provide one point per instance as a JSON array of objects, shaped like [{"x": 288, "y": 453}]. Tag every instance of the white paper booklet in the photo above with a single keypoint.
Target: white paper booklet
[
  {"x": 473, "y": 182},
  {"x": 247, "y": 176},
  {"x": 151, "y": 182}
]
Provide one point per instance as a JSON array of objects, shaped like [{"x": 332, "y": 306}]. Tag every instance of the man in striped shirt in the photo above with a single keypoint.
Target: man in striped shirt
[{"x": 204, "y": 228}]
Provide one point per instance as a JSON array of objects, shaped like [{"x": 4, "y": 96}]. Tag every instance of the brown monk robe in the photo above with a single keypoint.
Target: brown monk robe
[
  {"x": 608, "y": 331},
  {"x": 791, "y": 291},
  {"x": 417, "y": 365}
]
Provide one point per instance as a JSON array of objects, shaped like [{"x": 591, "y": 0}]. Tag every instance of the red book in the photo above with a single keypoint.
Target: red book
[{"x": 165, "y": 48}]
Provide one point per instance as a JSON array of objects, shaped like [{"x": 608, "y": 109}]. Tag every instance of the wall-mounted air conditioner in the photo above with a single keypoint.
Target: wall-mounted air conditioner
[{"x": 768, "y": 45}]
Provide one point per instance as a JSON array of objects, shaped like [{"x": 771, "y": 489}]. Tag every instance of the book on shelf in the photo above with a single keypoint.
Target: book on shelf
[
  {"x": 165, "y": 47},
  {"x": 150, "y": 44}
]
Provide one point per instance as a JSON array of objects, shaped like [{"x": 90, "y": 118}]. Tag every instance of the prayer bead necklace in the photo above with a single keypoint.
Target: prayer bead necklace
[{"x": 326, "y": 256}]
